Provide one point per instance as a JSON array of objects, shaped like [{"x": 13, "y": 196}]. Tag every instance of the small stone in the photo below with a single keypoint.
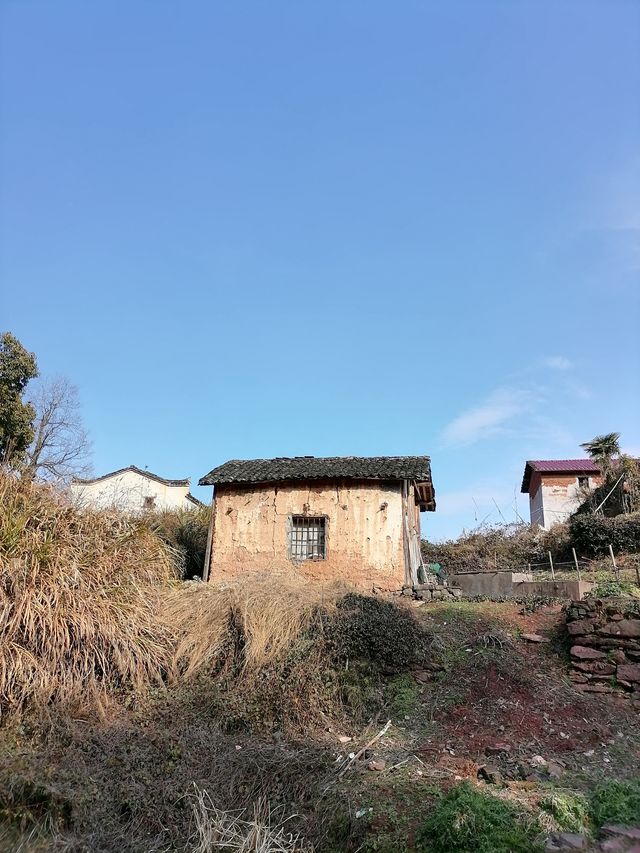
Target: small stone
[
  {"x": 344, "y": 739},
  {"x": 497, "y": 748},
  {"x": 490, "y": 775},
  {"x": 561, "y": 841},
  {"x": 377, "y": 764},
  {"x": 594, "y": 688},
  {"x": 581, "y": 626},
  {"x": 601, "y": 667},
  {"x": 623, "y": 628},
  {"x": 629, "y": 672},
  {"x": 422, "y": 676},
  {"x": 584, "y": 653},
  {"x": 618, "y": 656},
  {"x": 612, "y": 830},
  {"x": 534, "y": 638},
  {"x": 538, "y": 761}
]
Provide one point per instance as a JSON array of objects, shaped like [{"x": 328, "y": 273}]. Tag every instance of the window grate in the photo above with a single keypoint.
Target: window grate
[{"x": 307, "y": 540}]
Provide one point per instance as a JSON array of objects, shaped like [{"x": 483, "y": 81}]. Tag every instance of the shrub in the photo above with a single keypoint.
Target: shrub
[
  {"x": 77, "y": 603},
  {"x": 570, "y": 812},
  {"x": 375, "y": 630},
  {"x": 185, "y": 531},
  {"x": 614, "y": 589},
  {"x": 616, "y": 802},
  {"x": 508, "y": 546},
  {"x": 466, "y": 820},
  {"x": 592, "y": 534}
]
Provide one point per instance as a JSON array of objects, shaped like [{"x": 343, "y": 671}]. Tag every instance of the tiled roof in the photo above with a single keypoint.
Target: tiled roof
[
  {"x": 557, "y": 466},
  {"x": 140, "y": 471},
  {"x": 317, "y": 468}
]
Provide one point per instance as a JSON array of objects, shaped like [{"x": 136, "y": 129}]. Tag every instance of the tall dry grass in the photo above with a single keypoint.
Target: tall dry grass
[
  {"x": 267, "y": 613},
  {"x": 78, "y": 614}
]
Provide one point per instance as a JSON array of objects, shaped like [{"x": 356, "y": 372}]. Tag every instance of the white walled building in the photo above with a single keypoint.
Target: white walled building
[
  {"x": 132, "y": 490},
  {"x": 557, "y": 487}
]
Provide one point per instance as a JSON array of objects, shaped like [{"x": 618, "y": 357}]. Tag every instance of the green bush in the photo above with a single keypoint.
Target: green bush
[
  {"x": 509, "y": 546},
  {"x": 380, "y": 632},
  {"x": 616, "y": 802},
  {"x": 570, "y": 812},
  {"x": 592, "y": 534},
  {"x": 468, "y": 821}
]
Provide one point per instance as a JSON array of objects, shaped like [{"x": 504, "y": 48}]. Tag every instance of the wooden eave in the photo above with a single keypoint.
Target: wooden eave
[{"x": 424, "y": 496}]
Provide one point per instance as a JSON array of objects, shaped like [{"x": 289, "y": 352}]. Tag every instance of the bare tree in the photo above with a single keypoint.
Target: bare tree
[{"x": 60, "y": 448}]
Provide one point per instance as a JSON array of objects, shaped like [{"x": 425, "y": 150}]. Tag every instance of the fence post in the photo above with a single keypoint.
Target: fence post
[
  {"x": 575, "y": 560},
  {"x": 615, "y": 567},
  {"x": 553, "y": 574}
]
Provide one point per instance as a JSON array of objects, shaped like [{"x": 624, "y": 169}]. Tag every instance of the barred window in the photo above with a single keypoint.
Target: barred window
[{"x": 307, "y": 540}]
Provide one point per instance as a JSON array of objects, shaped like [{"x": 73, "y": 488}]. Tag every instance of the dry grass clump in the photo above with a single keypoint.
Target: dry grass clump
[
  {"x": 76, "y": 614},
  {"x": 254, "y": 619},
  {"x": 262, "y": 832}
]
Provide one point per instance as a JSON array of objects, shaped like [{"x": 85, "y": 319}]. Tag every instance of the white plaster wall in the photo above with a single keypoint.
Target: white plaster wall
[
  {"x": 536, "y": 510},
  {"x": 127, "y": 491},
  {"x": 558, "y": 502}
]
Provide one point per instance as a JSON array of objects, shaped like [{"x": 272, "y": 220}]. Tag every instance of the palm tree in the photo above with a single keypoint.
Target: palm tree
[{"x": 602, "y": 449}]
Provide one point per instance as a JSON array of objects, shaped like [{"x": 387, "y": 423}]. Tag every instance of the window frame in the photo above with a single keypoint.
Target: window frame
[{"x": 302, "y": 521}]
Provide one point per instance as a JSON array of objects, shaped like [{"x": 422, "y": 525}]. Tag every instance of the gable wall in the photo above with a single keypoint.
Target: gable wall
[
  {"x": 127, "y": 492},
  {"x": 364, "y": 531},
  {"x": 557, "y": 497}
]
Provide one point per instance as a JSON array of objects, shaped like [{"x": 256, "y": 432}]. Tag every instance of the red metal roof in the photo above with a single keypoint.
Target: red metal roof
[{"x": 557, "y": 466}]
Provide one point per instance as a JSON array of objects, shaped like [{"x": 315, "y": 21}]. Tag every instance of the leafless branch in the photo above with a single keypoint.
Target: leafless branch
[{"x": 61, "y": 447}]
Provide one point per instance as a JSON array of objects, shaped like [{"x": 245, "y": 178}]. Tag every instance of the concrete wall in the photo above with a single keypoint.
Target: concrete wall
[
  {"x": 364, "y": 530},
  {"x": 553, "y": 498},
  {"x": 127, "y": 491},
  {"x": 508, "y": 584}
]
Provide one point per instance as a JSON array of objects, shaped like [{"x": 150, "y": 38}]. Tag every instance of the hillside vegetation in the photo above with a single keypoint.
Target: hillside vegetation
[{"x": 141, "y": 712}]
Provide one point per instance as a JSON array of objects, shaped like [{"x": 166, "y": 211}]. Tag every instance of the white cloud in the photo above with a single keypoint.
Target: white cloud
[
  {"x": 558, "y": 362},
  {"x": 489, "y": 418}
]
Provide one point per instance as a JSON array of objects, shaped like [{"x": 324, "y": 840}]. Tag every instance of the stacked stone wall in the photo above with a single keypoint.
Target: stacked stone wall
[{"x": 605, "y": 645}]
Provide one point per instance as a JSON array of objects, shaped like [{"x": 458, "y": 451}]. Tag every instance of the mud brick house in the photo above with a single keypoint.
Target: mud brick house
[
  {"x": 349, "y": 517},
  {"x": 556, "y": 487}
]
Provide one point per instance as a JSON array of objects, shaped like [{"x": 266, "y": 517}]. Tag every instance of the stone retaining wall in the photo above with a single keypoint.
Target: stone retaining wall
[{"x": 605, "y": 650}]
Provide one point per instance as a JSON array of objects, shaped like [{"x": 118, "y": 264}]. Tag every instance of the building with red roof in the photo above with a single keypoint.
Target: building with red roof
[{"x": 557, "y": 487}]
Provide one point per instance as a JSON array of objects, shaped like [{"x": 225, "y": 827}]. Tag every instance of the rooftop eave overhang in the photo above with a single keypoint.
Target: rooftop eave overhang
[{"x": 425, "y": 497}]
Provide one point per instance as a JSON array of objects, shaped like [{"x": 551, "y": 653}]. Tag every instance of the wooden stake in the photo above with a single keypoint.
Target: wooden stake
[
  {"x": 575, "y": 560},
  {"x": 553, "y": 574},
  {"x": 615, "y": 567}
]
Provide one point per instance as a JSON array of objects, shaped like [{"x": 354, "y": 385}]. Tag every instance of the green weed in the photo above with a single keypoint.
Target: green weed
[{"x": 467, "y": 821}]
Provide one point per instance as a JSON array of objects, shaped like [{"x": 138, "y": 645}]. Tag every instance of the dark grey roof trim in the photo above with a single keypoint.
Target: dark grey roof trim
[
  {"x": 133, "y": 468},
  {"x": 193, "y": 500},
  {"x": 317, "y": 468}
]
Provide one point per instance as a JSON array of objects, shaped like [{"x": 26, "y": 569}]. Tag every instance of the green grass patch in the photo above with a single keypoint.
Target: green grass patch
[
  {"x": 570, "y": 812},
  {"x": 616, "y": 802},
  {"x": 468, "y": 821},
  {"x": 401, "y": 695}
]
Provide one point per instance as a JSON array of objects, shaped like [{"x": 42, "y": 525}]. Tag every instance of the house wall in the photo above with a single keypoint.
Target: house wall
[
  {"x": 127, "y": 491},
  {"x": 364, "y": 530},
  {"x": 554, "y": 497}
]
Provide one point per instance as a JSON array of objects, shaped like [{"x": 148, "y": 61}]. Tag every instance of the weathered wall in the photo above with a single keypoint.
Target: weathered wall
[
  {"x": 364, "y": 531},
  {"x": 605, "y": 651},
  {"x": 553, "y": 498},
  {"x": 127, "y": 491},
  {"x": 508, "y": 584}
]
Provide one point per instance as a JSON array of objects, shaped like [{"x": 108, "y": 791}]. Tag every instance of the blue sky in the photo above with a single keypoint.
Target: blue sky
[{"x": 331, "y": 228}]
